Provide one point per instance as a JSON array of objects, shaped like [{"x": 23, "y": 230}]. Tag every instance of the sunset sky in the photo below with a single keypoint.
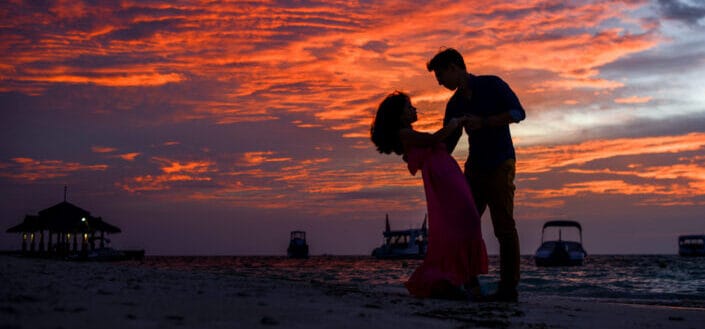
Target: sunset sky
[{"x": 218, "y": 128}]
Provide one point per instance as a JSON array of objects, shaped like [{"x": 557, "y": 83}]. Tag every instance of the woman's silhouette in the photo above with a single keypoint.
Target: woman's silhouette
[{"x": 456, "y": 251}]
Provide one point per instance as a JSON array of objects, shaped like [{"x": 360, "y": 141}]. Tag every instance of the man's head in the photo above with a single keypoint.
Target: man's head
[{"x": 449, "y": 67}]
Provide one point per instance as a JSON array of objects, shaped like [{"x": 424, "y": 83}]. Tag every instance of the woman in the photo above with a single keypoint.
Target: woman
[{"x": 456, "y": 252}]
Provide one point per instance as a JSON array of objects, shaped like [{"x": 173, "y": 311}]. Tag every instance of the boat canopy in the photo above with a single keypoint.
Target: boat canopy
[
  {"x": 298, "y": 235},
  {"x": 691, "y": 237},
  {"x": 562, "y": 223},
  {"x": 413, "y": 231}
]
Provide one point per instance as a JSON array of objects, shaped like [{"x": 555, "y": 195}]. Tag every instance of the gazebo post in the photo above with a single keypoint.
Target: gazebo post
[
  {"x": 75, "y": 243},
  {"x": 102, "y": 239},
  {"x": 67, "y": 243},
  {"x": 65, "y": 246},
  {"x": 41, "y": 241},
  {"x": 49, "y": 245},
  {"x": 24, "y": 242},
  {"x": 84, "y": 242},
  {"x": 32, "y": 245}
]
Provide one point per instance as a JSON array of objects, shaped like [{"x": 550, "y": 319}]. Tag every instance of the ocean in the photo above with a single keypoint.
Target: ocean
[{"x": 653, "y": 279}]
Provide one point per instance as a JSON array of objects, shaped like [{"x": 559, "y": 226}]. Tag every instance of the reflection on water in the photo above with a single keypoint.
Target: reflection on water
[{"x": 624, "y": 277}]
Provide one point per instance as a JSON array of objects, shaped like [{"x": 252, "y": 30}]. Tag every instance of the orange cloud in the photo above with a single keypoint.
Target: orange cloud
[
  {"x": 668, "y": 194},
  {"x": 172, "y": 172},
  {"x": 29, "y": 169},
  {"x": 260, "y": 157},
  {"x": 675, "y": 184},
  {"x": 599, "y": 187},
  {"x": 633, "y": 100},
  {"x": 157, "y": 183},
  {"x": 103, "y": 149},
  {"x": 544, "y": 158},
  {"x": 67, "y": 9},
  {"x": 299, "y": 184},
  {"x": 315, "y": 69},
  {"x": 334, "y": 72},
  {"x": 129, "y": 156},
  {"x": 146, "y": 79},
  {"x": 691, "y": 171},
  {"x": 171, "y": 167}
]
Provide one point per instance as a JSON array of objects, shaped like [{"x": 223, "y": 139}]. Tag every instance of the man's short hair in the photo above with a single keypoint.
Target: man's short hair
[{"x": 444, "y": 58}]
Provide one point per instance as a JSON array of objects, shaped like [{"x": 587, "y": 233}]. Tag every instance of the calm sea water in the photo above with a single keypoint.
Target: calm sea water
[{"x": 659, "y": 279}]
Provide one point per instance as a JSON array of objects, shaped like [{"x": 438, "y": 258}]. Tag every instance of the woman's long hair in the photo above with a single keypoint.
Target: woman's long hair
[{"x": 385, "y": 129}]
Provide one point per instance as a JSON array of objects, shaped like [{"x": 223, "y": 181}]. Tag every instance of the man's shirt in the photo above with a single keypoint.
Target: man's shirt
[{"x": 489, "y": 146}]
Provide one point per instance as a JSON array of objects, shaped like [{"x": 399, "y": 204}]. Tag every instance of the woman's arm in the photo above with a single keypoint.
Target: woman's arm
[{"x": 412, "y": 138}]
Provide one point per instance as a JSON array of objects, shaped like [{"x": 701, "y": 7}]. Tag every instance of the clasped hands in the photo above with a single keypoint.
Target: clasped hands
[{"x": 469, "y": 122}]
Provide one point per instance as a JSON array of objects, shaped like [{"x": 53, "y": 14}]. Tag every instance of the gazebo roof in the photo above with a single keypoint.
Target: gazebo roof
[
  {"x": 63, "y": 214},
  {"x": 29, "y": 224},
  {"x": 98, "y": 224},
  {"x": 63, "y": 217}
]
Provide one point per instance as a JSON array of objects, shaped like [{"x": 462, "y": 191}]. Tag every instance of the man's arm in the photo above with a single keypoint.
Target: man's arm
[
  {"x": 511, "y": 102},
  {"x": 477, "y": 122},
  {"x": 513, "y": 111}
]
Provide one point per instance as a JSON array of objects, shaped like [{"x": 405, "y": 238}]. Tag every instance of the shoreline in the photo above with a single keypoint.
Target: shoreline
[{"x": 40, "y": 293}]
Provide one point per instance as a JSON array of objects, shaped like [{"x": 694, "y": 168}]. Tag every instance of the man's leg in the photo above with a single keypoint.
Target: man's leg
[
  {"x": 500, "y": 199},
  {"x": 478, "y": 186}
]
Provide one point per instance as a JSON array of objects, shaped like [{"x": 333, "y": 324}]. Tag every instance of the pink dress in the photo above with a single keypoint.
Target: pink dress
[{"x": 456, "y": 251}]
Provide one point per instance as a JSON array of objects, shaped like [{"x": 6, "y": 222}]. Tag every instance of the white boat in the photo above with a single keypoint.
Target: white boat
[
  {"x": 691, "y": 245},
  {"x": 560, "y": 252},
  {"x": 403, "y": 244},
  {"x": 298, "y": 248}
]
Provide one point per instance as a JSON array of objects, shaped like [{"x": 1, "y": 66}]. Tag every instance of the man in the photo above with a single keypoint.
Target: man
[{"x": 491, "y": 106}]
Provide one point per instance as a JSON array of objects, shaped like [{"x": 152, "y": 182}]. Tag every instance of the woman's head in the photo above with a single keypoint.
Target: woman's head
[{"x": 394, "y": 113}]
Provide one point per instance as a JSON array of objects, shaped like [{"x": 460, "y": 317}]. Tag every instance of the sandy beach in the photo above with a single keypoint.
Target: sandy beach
[{"x": 36, "y": 293}]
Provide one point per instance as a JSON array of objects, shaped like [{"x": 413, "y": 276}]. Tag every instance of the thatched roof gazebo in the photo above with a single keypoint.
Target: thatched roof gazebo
[{"x": 63, "y": 221}]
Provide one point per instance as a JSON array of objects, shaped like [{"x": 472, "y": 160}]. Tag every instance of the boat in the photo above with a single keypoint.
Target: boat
[
  {"x": 298, "y": 248},
  {"x": 106, "y": 253},
  {"x": 560, "y": 252},
  {"x": 403, "y": 244},
  {"x": 691, "y": 245}
]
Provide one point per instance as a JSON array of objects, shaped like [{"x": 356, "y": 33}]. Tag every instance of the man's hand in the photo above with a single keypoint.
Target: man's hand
[{"x": 474, "y": 122}]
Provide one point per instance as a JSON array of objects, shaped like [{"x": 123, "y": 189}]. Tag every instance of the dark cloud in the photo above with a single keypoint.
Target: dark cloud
[
  {"x": 689, "y": 12},
  {"x": 325, "y": 52},
  {"x": 142, "y": 30},
  {"x": 670, "y": 126},
  {"x": 158, "y": 9},
  {"x": 656, "y": 62},
  {"x": 376, "y": 46},
  {"x": 87, "y": 62}
]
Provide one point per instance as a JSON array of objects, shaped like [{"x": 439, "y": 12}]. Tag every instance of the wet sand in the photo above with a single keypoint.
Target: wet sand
[{"x": 37, "y": 293}]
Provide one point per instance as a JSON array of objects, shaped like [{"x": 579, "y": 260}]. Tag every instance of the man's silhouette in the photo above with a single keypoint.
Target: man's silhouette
[{"x": 491, "y": 106}]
